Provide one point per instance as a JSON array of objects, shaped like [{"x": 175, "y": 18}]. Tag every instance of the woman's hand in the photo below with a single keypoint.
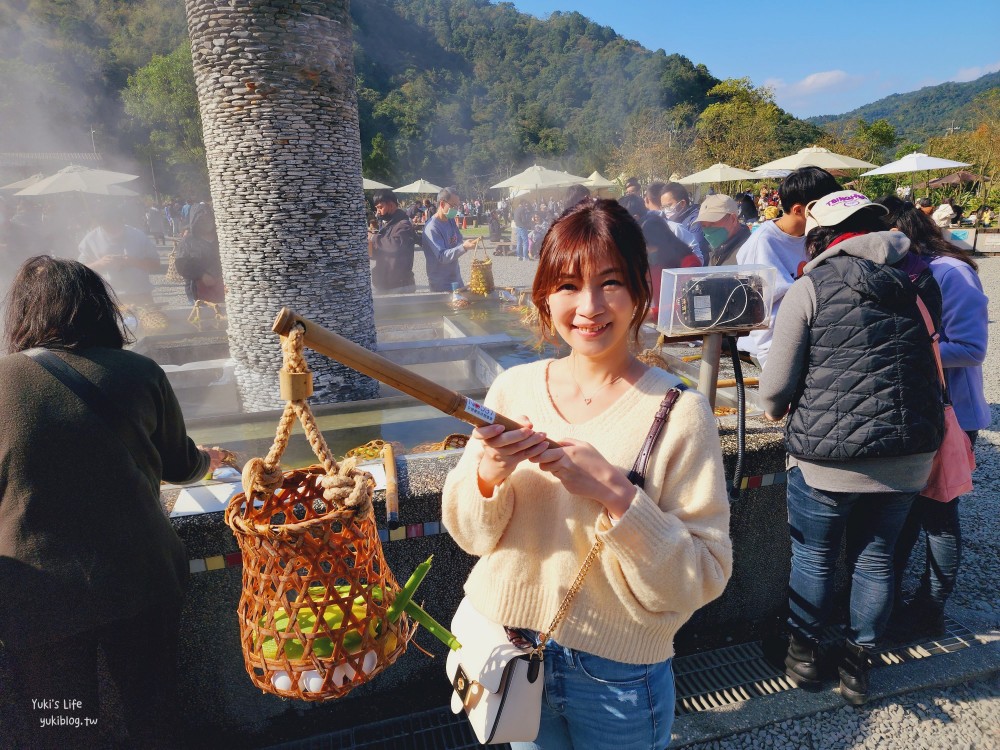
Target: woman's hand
[
  {"x": 504, "y": 449},
  {"x": 219, "y": 457},
  {"x": 583, "y": 471}
]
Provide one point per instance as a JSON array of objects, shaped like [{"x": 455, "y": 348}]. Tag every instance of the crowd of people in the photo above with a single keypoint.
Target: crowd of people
[{"x": 848, "y": 365}]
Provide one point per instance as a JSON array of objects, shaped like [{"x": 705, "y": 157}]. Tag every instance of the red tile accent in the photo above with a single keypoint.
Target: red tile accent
[
  {"x": 414, "y": 529},
  {"x": 234, "y": 560}
]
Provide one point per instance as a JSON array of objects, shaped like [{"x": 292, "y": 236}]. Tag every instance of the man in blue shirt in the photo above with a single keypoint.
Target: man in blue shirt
[{"x": 443, "y": 244}]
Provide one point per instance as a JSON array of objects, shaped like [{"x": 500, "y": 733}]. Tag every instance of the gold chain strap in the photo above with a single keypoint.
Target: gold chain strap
[{"x": 574, "y": 589}]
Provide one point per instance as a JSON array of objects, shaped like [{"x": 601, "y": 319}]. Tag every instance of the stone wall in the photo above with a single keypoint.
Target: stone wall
[{"x": 275, "y": 83}]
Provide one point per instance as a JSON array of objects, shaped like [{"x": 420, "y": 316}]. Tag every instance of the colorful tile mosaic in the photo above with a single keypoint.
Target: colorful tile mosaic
[{"x": 429, "y": 528}]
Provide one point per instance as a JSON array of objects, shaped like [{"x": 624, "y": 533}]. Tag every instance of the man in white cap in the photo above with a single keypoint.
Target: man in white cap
[{"x": 723, "y": 230}]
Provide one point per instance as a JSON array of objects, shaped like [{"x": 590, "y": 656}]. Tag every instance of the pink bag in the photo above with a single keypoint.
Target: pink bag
[{"x": 954, "y": 462}]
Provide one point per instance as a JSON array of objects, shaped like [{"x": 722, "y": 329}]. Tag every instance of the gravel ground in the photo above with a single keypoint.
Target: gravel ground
[{"x": 965, "y": 717}]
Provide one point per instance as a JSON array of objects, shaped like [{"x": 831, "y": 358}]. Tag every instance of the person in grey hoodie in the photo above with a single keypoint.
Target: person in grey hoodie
[{"x": 851, "y": 365}]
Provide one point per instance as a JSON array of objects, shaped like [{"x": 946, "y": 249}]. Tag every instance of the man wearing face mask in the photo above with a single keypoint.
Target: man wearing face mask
[
  {"x": 724, "y": 232},
  {"x": 443, "y": 244},
  {"x": 782, "y": 243},
  {"x": 652, "y": 197},
  {"x": 675, "y": 201}
]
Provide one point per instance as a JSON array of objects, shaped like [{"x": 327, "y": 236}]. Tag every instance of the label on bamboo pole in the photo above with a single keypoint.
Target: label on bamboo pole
[{"x": 477, "y": 410}]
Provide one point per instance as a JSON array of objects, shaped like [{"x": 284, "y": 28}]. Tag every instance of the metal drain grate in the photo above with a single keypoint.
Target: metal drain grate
[
  {"x": 704, "y": 681},
  {"x": 740, "y": 673},
  {"x": 438, "y": 729}
]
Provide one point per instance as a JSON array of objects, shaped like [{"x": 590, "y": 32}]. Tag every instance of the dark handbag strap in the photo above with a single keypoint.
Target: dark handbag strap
[
  {"x": 636, "y": 476},
  {"x": 120, "y": 424}
]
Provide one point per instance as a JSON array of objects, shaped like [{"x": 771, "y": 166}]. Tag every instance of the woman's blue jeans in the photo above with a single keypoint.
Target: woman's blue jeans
[
  {"x": 940, "y": 522},
  {"x": 817, "y": 521},
  {"x": 521, "y": 248},
  {"x": 592, "y": 703}
]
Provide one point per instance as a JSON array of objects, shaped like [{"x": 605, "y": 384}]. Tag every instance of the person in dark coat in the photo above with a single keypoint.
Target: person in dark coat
[
  {"x": 392, "y": 247},
  {"x": 89, "y": 560},
  {"x": 197, "y": 258},
  {"x": 851, "y": 365}
]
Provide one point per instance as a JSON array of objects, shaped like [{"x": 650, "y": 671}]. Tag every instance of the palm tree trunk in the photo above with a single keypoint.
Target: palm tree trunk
[{"x": 279, "y": 110}]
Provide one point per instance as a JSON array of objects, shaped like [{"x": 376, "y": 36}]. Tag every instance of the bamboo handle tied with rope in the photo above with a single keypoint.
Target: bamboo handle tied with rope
[{"x": 385, "y": 371}]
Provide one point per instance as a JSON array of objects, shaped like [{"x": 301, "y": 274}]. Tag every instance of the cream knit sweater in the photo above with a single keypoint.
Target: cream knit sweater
[{"x": 668, "y": 555}]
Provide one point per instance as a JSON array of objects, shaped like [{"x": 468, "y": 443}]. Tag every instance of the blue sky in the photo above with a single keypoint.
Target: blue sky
[{"x": 820, "y": 58}]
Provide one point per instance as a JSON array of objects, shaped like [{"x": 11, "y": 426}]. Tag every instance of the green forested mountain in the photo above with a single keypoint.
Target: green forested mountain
[
  {"x": 470, "y": 88},
  {"x": 917, "y": 115},
  {"x": 464, "y": 91}
]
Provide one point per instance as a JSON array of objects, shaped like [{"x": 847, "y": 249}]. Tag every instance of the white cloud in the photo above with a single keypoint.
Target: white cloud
[
  {"x": 971, "y": 74},
  {"x": 827, "y": 80}
]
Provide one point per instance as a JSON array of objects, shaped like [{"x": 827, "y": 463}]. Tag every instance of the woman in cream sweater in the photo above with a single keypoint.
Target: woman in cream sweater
[{"x": 532, "y": 512}]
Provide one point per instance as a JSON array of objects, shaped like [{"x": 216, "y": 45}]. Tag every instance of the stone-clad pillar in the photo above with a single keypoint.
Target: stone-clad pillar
[{"x": 278, "y": 105}]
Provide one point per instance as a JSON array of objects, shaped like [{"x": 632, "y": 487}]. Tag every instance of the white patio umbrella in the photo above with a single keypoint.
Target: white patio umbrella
[
  {"x": 76, "y": 179},
  {"x": 915, "y": 163},
  {"x": 373, "y": 185},
  {"x": 598, "y": 181},
  {"x": 718, "y": 173},
  {"x": 419, "y": 186},
  {"x": 771, "y": 174},
  {"x": 816, "y": 156},
  {"x": 21, "y": 184},
  {"x": 539, "y": 178}
]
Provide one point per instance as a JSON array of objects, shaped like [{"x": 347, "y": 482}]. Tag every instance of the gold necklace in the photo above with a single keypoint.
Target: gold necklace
[{"x": 588, "y": 399}]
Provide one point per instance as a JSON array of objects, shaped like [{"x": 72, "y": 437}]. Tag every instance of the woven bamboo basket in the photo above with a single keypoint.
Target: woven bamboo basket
[
  {"x": 316, "y": 585},
  {"x": 454, "y": 440},
  {"x": 172, "y": 273},
  {"x": 481, "y": 275}
]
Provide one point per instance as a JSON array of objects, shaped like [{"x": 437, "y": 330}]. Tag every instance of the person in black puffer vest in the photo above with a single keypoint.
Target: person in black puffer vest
[{"x": 851, "y": 364}]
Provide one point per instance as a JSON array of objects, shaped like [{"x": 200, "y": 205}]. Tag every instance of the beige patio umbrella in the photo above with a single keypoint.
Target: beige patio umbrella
[
  {"x": 373, "y": 185},
  {"x": 915, "y": 163},
  {"x": 718, "y": 173},
  {"x": 21, "y": 184},
  {"x": 418, "y": 186},
  {"x": 76, "y": 179},
  {"x": 540, "y": 178},
  {"x": 598, "y": 181},
  {"x": 816, "y": 156}
]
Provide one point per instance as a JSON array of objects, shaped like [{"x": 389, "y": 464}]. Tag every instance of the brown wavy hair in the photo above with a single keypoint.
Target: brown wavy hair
[
  {"x": 61, "y": 304},
  {"x": 583, "y": 241}
]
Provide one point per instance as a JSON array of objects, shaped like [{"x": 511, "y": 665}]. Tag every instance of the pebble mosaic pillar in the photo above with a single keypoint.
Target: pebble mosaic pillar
[{"x": 276, "y": 90}]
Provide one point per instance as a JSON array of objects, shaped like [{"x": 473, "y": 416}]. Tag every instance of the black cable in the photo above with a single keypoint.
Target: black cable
[{"x": 741, "y": 417}]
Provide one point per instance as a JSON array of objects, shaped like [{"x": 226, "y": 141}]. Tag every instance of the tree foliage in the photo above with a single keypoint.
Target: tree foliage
[
  {"x": 739, "y": 127},
  {"x": 161, "y": 96},
  {"x": 454, "y": 91}
]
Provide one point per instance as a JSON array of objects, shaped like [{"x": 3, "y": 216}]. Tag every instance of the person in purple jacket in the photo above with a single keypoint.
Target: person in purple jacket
[{"x": 964, "y": 322}]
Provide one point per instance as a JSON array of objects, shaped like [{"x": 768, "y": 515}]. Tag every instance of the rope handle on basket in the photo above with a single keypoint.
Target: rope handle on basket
[
  {"x": 475, "y": 250},
  {"x": 343, "y": 485}
]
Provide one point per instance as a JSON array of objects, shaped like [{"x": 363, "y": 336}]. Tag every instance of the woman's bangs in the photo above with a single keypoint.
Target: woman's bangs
[{"x": 590, "y": 256}]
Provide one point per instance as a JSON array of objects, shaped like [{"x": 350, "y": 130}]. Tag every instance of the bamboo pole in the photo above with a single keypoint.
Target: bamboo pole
[
  {"x": 391, "y": 487},
  {"x": 369, "y": 363},
  {"x": 731, "y": 382}
]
